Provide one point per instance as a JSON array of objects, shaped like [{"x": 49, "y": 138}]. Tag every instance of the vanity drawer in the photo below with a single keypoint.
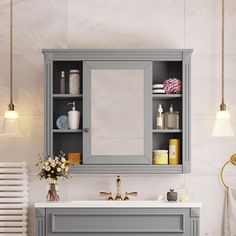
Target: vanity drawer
[{"x": 118, "y": 221}]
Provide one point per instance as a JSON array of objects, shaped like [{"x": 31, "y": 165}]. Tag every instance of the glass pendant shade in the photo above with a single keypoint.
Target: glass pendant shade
[
  {"x": 11, "y": 126},
  {"x": 12, "y": 115},
  {"x": 222, "y": 126}
]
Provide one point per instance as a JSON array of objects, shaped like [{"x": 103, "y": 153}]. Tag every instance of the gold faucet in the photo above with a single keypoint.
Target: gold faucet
[
  {"x": 118, "y": 186},
  {"x": 107, "y": 194},
  {"x": 118, "y": 192},
  {"x": 130, "y": 194}
]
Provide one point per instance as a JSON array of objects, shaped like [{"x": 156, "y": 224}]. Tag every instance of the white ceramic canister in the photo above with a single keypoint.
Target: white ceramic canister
[
  {"x": 74, "y": 119},
  {"x": 74, "y": 81}
]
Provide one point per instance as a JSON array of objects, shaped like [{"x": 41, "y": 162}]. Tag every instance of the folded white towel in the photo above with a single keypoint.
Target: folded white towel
[{"x": 229, "y": 217}]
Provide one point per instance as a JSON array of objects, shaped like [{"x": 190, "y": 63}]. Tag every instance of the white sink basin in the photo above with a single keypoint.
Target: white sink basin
[{"x": 129, "y": 204}]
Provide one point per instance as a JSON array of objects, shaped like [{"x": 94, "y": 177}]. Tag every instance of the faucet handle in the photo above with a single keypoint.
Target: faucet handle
[
  {"x": 109, "y": 194},
  {"x": 130, "y": 194}
]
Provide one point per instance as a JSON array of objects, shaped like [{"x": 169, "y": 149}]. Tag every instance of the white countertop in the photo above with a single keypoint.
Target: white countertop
[{"x": 115, "y": 204}]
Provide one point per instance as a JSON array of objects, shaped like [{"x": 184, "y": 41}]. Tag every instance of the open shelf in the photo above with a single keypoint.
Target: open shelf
[
  {"x": 66, "y": 66},
  {"x": 60, "y": 107},
  {"x": 163, "y": 70},
  {"x": 166, "y": 103},
  {"x": 69, "y": 142}
]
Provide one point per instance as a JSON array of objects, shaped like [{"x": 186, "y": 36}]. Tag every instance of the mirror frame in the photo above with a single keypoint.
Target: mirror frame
[{"x": 88, "y": 158}]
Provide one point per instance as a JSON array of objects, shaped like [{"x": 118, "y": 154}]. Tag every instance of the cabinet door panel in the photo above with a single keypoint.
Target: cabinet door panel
[
  {"x": 118, "y": 221},
  {"x": 117, "y": 114}
]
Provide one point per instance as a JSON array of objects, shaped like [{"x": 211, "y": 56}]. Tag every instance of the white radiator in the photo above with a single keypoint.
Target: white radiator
[{"x": 13, "y": 198}]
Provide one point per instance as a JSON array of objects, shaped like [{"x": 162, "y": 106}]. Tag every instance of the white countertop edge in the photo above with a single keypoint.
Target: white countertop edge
[{"x": 115, "y": 204}]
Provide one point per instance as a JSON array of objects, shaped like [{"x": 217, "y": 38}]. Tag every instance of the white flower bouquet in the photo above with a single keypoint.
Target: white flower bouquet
[{"x": 53, "y": 167}]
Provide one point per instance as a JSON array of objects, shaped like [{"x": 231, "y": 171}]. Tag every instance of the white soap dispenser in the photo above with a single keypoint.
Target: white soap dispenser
[{"x": 73, "y": 117}]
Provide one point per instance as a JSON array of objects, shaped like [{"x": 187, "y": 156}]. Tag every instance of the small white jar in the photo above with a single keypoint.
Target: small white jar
[{"x": 74, "y": 82}]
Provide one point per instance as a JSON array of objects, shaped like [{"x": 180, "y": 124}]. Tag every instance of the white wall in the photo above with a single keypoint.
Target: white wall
[{"x": 124, "y": 24}]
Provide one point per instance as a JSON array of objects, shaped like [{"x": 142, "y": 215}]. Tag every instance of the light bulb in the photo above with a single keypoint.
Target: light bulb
[
  {"x": 12, "y": 115},
  {"x": 222, "y": 115},
  {"x": 222, "y": 127},
  {"x": 11, "y": 126}
]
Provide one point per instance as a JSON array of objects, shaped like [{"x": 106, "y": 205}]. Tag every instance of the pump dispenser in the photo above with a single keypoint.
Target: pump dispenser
[
  {"x": 160, "y": 117},
  {"x": 172, "y": 119},
  {"x": 73, "y": 117}
]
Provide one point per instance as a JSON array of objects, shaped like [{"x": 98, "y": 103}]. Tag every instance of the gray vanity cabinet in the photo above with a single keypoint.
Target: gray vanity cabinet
[
  {"x": 117, "y": 221},
  {"x": 117, "y": 132}
]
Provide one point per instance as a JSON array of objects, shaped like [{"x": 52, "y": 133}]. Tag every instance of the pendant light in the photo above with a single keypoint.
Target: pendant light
[
  {"x": 11, "y": 125},
  {"x": 222, "y": 126}
]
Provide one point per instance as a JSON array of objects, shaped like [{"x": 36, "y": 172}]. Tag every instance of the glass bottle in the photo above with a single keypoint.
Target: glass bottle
[
  {"x": 160, "y": 117},
  {"x": 62, "y": 83},
  {"x": 172, "y": 119}
]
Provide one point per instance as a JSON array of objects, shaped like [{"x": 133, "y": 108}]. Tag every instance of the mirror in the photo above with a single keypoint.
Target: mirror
[{"x": 117, "y": 112}]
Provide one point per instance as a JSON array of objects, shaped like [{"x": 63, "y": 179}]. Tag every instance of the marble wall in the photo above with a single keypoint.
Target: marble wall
[{"x": 124, "y": 24}]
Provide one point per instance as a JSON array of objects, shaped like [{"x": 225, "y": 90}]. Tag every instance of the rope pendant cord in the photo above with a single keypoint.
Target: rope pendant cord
[
  {"x": 222, "y": 53},
  {"x": 11, "y": 105}
]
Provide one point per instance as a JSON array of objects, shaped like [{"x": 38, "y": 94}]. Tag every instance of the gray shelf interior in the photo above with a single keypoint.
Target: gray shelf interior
[
  {"x": 59, "y": 66},
  {"x": 60, "y": 107},
  {"x": 66, "y": 140},
  {"x": 177, "y": 105},
  {"x": 161, "y": 141},
  {"x": 69, "y": 142},
  {"x": 163, "y": 70}
]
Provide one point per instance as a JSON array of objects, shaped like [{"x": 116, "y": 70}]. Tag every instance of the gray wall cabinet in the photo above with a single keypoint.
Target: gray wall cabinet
[
  {"x": 117, "y": 221},
  {"x": 155, "y": 66}
]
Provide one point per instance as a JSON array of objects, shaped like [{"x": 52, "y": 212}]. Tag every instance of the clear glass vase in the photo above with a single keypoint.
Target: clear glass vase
[{"x": 52, "y": 190}]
